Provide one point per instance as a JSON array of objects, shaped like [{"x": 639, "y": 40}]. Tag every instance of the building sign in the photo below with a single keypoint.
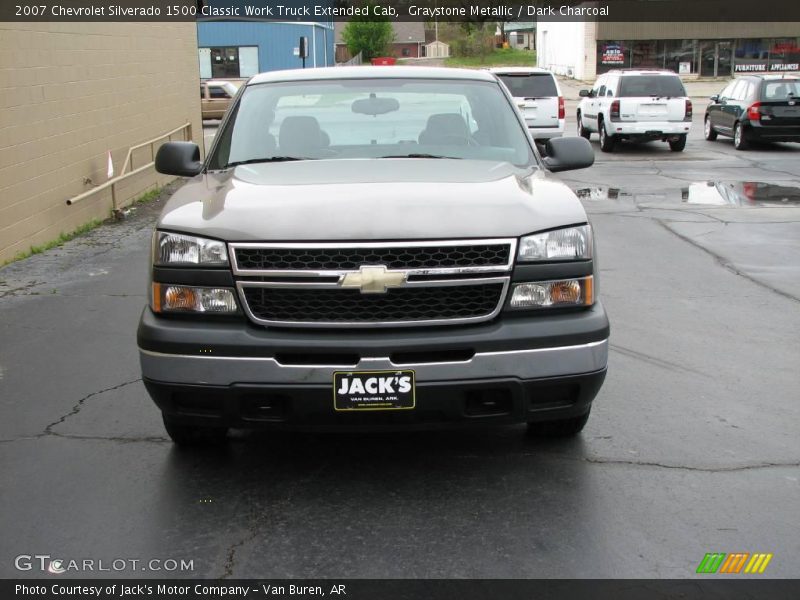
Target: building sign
[
  {"x": 784, "y": 67},
  {"x": 746, "y": 68},
  {"x": 684, "y": 68},
  {"x": 612, "y": 54},
  {"x": 763, "y": 66}
]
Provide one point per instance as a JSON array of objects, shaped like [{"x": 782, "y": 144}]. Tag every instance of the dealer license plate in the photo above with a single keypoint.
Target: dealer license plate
[{"x": 373, "y": 390}]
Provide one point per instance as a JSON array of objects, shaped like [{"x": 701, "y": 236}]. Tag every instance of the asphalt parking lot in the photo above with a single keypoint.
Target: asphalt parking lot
[{"x": 692, "y": 447}]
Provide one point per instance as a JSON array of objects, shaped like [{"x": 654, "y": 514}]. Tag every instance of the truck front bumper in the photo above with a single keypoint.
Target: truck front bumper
[{"x": 517, "y": 369}]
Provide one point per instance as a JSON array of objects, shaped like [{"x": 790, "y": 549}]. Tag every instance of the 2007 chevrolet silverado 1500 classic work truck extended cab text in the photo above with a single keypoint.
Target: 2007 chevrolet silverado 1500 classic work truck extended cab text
[{"x": 373, "y": 247}]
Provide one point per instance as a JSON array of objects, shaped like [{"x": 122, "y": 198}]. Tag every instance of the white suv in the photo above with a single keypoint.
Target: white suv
[
  {"x": 538, "y": 97},
  {"x": 635, "y": 104}
]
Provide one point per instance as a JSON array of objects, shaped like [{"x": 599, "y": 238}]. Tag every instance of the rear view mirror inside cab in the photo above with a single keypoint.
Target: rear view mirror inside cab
[{"x": 375, "y": 106}]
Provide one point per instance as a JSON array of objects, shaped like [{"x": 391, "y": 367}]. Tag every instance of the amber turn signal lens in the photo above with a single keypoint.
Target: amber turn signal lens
[
  {"x": 182, "y": 298},
  {"x": 565, "y": 292},
  {"x": 553, "y": 294}
]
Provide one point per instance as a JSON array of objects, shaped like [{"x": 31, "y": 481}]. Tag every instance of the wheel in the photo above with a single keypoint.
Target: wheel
[
  {"x": 582, "y": 131},
  {"x": 194, "y": 435},
  {"x": 739, "y": 137},
  {"x": 559, "y": 428},
  {"x": 708, "y": 130},
  {"x": 679, "y": 144},
  {"x": 607, "y": 142}
]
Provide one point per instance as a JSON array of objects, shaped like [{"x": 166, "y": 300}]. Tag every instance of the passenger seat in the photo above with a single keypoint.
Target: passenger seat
[
  {"x": 445, "y": 129},
  {"x": 301, "y": 136}
]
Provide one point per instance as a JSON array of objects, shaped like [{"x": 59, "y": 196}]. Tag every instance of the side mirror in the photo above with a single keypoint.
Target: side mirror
[
  {"x": 568, "y": 153},
  {"x": 714, "y": 98},
  {"x": 585, "y": 93},
  {"x": 179, "y": 158}
]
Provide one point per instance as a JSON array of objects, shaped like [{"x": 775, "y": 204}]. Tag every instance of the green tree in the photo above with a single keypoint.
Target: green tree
[{"x": 369, "y": 35}]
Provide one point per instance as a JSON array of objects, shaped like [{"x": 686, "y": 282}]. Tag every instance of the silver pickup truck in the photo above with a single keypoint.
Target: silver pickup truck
[{"x": 373, "y": 247}]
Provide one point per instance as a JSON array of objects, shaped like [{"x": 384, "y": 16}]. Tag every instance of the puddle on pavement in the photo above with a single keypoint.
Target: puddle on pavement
[
  {"x": 742, "y": 193},
  {"x": 709, "y": 193},
  {"x": 600, "y": 193}
]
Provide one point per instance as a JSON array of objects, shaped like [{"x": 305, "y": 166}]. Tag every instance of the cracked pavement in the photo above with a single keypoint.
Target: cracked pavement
[{"x": 692, "y": 447}]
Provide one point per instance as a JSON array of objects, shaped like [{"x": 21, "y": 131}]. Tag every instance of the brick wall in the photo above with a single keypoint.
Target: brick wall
[{"x": 69, "y": 92}]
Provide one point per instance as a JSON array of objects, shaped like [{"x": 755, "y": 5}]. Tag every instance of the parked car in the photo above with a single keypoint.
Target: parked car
[
  {"x": 373, "y": 247},
  {"x": 636, "y": 104},
  {"x": 216, "y": 97},
  {"x": 538, "y": 97},
  {"x": 755, "y": 108}
]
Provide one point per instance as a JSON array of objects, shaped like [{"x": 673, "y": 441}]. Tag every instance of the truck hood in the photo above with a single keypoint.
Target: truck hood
[{"x": 385, "y": 199}]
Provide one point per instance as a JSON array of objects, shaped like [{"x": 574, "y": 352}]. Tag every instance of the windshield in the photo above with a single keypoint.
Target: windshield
[
  {"x": 650, "y": 85},
  {"x": 376, "y": 118},
  {"x": 530, "y": 85}
]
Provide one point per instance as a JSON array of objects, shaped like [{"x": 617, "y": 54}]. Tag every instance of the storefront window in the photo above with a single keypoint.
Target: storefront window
[
  {"x": 228, "y": 62},
  {"x": 679, "y": 56},
  {"x": 612, "y": 55},
  {"x": 752, "y": 50},
  {"x": 716, "y": 57},
  {"x": 751, "y": 55},
  {"x": 224, "y": 62},
  {"x": 645, "y": 54},
  {"x": 708, "y": 58},
  {"x": 784, "y": 54}
]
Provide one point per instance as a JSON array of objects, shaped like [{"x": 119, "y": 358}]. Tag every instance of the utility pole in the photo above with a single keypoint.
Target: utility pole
[{"x": 303, "y": 47}]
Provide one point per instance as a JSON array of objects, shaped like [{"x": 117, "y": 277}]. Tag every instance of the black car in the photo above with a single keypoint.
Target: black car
[{"x": 756, "y": 108}]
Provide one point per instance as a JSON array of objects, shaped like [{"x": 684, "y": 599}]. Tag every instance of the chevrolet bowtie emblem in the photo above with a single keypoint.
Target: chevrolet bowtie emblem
[{"x": 373, "y": 279}]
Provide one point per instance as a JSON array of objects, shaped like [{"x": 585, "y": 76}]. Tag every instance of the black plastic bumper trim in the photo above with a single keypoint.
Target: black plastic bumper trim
[{"x": 438, "y": 404}]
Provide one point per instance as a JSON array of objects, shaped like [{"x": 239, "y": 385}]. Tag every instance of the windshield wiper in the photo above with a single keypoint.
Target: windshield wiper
[
  {"x": 419, "y": 155},
  {"x": 267, "y": 159}
]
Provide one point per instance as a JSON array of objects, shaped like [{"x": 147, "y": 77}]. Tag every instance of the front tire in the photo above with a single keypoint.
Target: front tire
[
  {"x": 582, "y": 131},
  {"x": 678, "y": 145},
  {"x": 739, "y": 138},
  {"x": 708, "y": 130},
  {"x": 559, "y": 428},
  {"x": 194, "y": 435},
  {"x": 607, "y": 142}
]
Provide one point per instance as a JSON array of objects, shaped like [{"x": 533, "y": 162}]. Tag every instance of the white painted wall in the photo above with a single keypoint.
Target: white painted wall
[{"x": 562, "y": 48}]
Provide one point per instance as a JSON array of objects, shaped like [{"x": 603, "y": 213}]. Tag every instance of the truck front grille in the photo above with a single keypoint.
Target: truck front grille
[
  {"x": 394, "y": 257},
  {"x": 322, "y": 306},
  {"x": 334, "y": 285}
]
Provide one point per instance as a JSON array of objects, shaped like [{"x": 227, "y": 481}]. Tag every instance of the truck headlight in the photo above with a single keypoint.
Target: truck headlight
[
  {"x": 168, "y": 298},
  {"x": 179, "y": 249},
  {"x": 553, "y": 294},
  {"x": 570, "y": 243}
]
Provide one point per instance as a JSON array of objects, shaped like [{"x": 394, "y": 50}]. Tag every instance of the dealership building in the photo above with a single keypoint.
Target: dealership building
[{"x": 584, "y": 49}]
